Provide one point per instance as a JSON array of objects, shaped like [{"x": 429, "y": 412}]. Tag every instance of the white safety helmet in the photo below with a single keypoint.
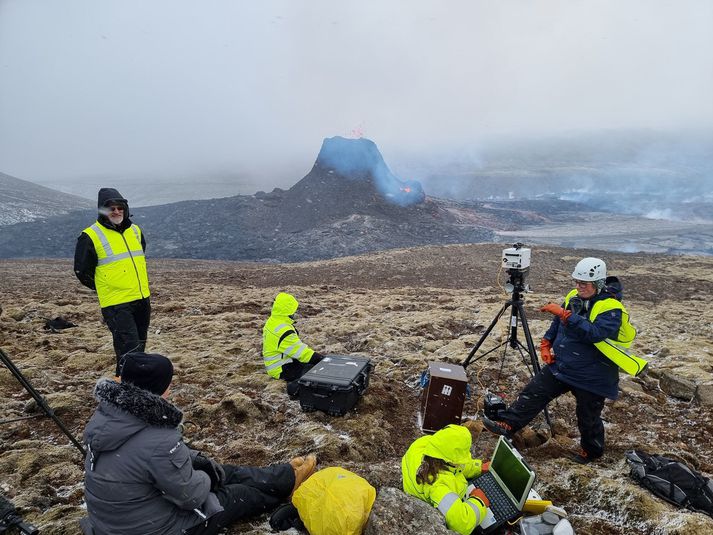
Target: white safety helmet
[{"x": 590, "y": 270}]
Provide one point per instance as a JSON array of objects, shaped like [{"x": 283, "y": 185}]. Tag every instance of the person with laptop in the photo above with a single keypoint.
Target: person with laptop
[
  {"x": 591, "y": 313},
  {"x": 436, "y": 469}
]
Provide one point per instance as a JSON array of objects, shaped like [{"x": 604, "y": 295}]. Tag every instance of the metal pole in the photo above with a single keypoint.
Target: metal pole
[
  {"x": 533, "y": 354},
  {"x": 485, "y": 335},
  {"x": 517, "y": 310},
  {"x": 41, "y": 402}
]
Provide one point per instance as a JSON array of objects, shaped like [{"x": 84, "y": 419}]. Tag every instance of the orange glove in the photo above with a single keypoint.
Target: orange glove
[
  {"x": 480, "y": 495},
  {"x": 557, "y": 310},
  {"x": 484, "y": 467},
  {"x": 546, "y": 351}
]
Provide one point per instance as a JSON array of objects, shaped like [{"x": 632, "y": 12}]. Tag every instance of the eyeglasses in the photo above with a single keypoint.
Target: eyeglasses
[
  {"x": 582, "y": 283},
  {"x": 115, "y": 208}
]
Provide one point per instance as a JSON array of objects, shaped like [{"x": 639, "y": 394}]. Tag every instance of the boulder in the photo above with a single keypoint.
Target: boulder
[
  {"x": 677, "y": 386},
  {"x": 396, "y": 511}
]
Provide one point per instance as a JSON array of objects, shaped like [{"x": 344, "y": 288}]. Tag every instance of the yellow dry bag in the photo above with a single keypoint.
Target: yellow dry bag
[{"x": 334, "y": 501}]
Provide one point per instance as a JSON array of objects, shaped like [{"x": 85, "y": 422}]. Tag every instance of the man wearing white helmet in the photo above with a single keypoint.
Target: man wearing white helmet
[{"x": 573, "y": 362}]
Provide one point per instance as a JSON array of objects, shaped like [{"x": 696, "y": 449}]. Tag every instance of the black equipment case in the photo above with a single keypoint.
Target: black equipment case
[{"x": 335, "y": 384}]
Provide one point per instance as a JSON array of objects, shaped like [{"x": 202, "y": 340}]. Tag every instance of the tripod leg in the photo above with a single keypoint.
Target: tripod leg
[
  {"x": 533, "y": 353},
  {"x": 493, "y": 323},
  {"x": 41, "y": 402}
]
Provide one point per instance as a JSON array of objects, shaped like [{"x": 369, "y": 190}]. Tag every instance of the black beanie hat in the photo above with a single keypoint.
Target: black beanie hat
[
  {"x": 150, "y": 371},
  {"x": 110, "y": 195}
]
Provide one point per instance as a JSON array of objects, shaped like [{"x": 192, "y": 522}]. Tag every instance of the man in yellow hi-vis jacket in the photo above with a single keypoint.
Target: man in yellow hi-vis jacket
[
  {"x": 285, "y": 356},
  {"x": 109, "y": 258}
]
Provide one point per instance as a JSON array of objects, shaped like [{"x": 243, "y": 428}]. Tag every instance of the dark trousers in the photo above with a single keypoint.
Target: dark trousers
[
  {"x": 248, "y": 492},
  {"x": 292, "y": 371},
  {"x": 129, "y": 326},
  {"x": 543, "y": 388}
]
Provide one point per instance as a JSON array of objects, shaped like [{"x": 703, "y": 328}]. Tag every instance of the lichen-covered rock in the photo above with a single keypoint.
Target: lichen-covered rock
[
  {"x": 678, "y": 387},
  {"x": 704, "y": 394},
  {"x": 394, "y": 511}
]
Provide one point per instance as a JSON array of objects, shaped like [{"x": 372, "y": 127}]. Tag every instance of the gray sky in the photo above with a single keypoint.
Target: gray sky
[{"x": 136, "y": 88}]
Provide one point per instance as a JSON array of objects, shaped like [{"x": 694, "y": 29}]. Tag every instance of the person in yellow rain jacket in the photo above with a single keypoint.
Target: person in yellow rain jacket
[
  {"x": 436, "y": 469},
  {"x": 285, "y": 356},
  {"x": 109, "y": 259}
]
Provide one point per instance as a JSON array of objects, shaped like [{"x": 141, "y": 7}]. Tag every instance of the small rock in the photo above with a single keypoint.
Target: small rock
[
  {"x": 677, "y": 387},
  {"x": 704, "y": 394},
  {"x": 629, "y": 386},
  {"x": 532, "y": 438}
]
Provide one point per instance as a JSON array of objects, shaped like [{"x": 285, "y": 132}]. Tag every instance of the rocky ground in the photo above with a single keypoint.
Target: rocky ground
[{"x": 402, "y": 309}]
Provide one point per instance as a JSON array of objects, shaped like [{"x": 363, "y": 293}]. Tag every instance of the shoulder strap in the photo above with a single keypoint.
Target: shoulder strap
[{"x": 285, "y": 335}]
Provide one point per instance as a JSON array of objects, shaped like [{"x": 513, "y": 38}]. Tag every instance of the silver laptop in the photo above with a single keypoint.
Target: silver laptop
[{"x": 507, "y": 484}]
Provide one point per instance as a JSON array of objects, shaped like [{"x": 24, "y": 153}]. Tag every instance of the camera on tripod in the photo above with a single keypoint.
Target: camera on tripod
[{"x": 516, "y": 261}]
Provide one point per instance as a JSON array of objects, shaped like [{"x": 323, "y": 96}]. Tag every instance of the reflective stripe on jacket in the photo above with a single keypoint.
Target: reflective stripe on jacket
[
  {"x": 447, "y": 492},
  {"x": 120, "y": 275},
  {"x": 615, "y": 349},
  {"x": 281, "y": 343},
  {"x": 578, "y": 362},
  {"x": 626, "y": 333}
]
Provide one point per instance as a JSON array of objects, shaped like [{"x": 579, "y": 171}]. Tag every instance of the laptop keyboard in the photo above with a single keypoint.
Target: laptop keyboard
[{"x": 500, "y": 504}]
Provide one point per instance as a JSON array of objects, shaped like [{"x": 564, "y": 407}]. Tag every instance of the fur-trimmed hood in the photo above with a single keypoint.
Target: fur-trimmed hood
[
  {"x": 123, "y": 411},
  {"x": 138, "y": 477}
]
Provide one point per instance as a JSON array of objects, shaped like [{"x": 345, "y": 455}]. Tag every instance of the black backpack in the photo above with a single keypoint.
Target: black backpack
[{"x": 672, "y": 480}]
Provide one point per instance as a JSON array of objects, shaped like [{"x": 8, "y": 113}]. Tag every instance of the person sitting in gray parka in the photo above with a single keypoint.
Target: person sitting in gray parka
[{"x": 141, "y": 479}]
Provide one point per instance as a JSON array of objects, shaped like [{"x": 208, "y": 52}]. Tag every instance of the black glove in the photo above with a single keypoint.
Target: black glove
[
  {"x": 213, "y": 469},
  {"x": 575, "y": 304}
]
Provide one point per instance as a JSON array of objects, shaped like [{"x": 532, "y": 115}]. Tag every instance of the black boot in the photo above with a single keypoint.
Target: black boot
[
  {"x": 293, "y": 389},
  {"x": 582, "y": 457}
]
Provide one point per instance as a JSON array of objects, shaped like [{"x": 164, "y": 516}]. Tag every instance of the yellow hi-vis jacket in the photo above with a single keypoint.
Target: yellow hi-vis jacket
[
  {"x": 120, "y": 275},
  {"x": 448, "y": 492},
  {"x": 616, "y": 350},
  {"x": 280, "y": 340}
]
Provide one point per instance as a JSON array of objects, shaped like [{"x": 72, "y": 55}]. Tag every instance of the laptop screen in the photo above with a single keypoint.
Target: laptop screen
[{"x": 512, "y": 472}]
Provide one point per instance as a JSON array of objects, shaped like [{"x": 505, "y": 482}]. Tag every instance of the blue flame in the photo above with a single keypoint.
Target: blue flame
[{"x": 360, "y": 159}]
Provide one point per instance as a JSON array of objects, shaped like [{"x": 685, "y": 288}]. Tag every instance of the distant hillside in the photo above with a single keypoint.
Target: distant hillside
[
  {"x": 21, "y": 201},
  {"x": 349, "y": 203}
]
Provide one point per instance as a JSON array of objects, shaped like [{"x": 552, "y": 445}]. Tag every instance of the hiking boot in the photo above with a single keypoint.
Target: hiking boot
[
  {"x": 499, "y": 428},
  {"x": 296, "y": 462},
  {"x": 582, "y": 457},
  {"x": 304, "y": 470}
]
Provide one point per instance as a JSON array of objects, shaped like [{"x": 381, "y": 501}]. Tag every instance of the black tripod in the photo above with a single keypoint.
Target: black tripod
[
  {"x": 41, "y": 402},
  {"x": 517, "y": 310}
]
